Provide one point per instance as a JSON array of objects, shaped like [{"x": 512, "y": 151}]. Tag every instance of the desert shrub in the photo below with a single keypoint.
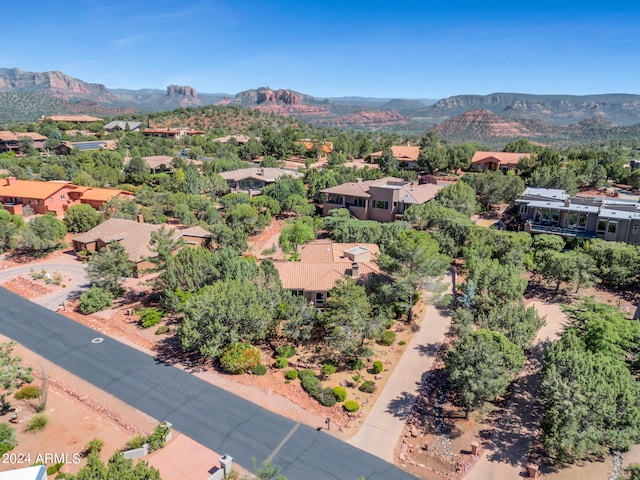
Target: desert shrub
[
  {"x": 8, "y": 440},
  {"x": 378, "y": 366},
  {"x": 53, "y": 469},
  {"x": 326, "y": 397},
  {"x": 281, "y": 362},
  {"x": 136, "y": 442},
  {"x": 402, "y": 342},
  {"x": 162, "y": 329},
  {"x": 93, "y": 445},
  {"x": 387, "y": 338},
  {"x": 291, "y": 374},
  {"x": 286, "y": 351},
  {"x": 240, "y": 358},
  {"x": 310, "y": 383},
  {"x": 368, "y": 386},
  {"x": 329, "y": 368},
  {"x": 28, "y": 392},
  {"x": 150, "y": 317},
  {"x": 357, "y": 364},
  {"x": 158, "y": 438},
  {"x": 259, "y": 369},
  {"x": 340, "y": 393},
  {"x": 94, "y": 300},
  {"x": 37, "y": 422},
  {"x": 351, "y": 406}
]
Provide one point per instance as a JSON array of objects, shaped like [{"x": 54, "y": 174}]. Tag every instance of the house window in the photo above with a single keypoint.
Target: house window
[
  {"x": 320, "y": 298},
  {"x": 537, "y": 216},
  {"x": 602, "y": 225},
  {"x": 635, "y": 229},
  {"x": 582, "y": 221},
  {"x": 523, "y": 209},
  {"x": 297, "y": 293},
  {"x": 62, "y": 197},
  {"x": 612, "y": 227},
  {"x": 358, "y": 202},
  {"x": 382, "y": 205}
]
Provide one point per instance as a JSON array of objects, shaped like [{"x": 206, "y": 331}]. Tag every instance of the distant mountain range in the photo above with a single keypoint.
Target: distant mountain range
[{"x": 24, "y": 96}]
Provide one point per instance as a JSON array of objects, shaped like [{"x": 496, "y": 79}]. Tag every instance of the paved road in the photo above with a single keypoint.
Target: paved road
[
  {"x": 383, "y": 426},
  {"x": 217, "y": 419}
]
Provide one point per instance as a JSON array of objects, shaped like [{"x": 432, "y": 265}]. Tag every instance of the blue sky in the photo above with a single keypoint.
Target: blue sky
[{"x": 390, "y": 49}]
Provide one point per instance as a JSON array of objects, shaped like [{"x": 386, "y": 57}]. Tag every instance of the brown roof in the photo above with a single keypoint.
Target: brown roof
[
  {"x": 102, "y": 194},
  {"x": 507, "y": 158},
  {"x": 328, "y": 251},
  {"x": 156, "y": 161},
  {"x": 74, "y": 118},
  {"x": 196, "y": 231},
  {"x": 361, "y": 188},
  {"x": 30, "y": 188},
  {"x": 257, "y": 173},
  {"x": 417, "y": 194},
  {"x": 238, "y": 138}
]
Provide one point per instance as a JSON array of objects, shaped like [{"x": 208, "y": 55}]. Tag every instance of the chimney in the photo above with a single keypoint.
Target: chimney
[
  {"x": 355, "y": 270},
  {"x": 140, "y": 218},
  {"x": 11, "y": 181}
]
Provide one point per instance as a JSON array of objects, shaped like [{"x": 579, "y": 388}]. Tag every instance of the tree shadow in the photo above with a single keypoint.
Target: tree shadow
[
  {"x": 428, "y": 350},
  {"x": 169, "y": 352},
  {"x": 402, "y": 406}
]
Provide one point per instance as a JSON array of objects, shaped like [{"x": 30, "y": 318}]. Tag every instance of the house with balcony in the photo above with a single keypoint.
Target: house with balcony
[
  {"x": 322, "y": 263},
  {"x": 253, "y": 180},
  {"x": 384, "y": 200},
  {"x": 10, "y": 141},
  {"x": 548, "y": 210}
]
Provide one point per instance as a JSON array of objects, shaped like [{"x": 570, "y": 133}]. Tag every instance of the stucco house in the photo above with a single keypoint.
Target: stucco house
[
  {"x": 322, "y": 263},
  {"x": 548, "y": 210},
  {"x": 134, "y": 237},
  {"x": 9, "y": 141},
  {"x": 407, "y": 155},
  {"x": 28, "y": 197},
  {"x": 496, "y": 161},
  {"x": 253, "y": 180},
  {"x": 384, "y": 200}
]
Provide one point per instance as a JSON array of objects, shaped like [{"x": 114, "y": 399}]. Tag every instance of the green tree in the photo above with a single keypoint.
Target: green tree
[
  {"x": 348, "y": 318},
  {"x": 460, "y": 196},
  {"x": 515, "y": 321},
  {"x": 164, "y": 244},
  {"x": 495, "y": 187},
  {"x": 481, "y": 366},
  {"x": 388, "y": 162},
  {"x": 109, "y": 267},
  {"x": 118, "y": 467},
  {"x": 13, "y": 374},
  {"x": 81, "y": 218},
  {"x": 42, "y": 234},
  {"x": 295, "y": 234}
]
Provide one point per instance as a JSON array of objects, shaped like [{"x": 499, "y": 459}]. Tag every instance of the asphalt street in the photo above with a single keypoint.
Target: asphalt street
[{"x": 218, "y": 419}]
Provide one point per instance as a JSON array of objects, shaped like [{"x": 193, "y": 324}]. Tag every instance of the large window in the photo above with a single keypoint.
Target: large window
[
  {"x": 382, "y": 205},
  {"x": 358, "y": 201},
  {"x": 612, "y": 227},
  {"x": 320, "y": 298},
  {"x": 602, "y": 225},
  {"x": 523, "y": 209}
]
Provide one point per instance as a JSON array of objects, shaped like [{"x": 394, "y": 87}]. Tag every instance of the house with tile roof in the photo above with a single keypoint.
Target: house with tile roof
[
  {"x": 9, "y": 141},
  {"x": 253, "y": 180},
  {"x": 171, "y": 133},
  {"x": 28, "y": 197},
  {"x": 407, "y": 155},
  {"x": 496, "y": 161},
  {"x": 322, "y": 263},
  {"x": 135, "y": 238},
  {"x": 72, "y": 118},
  {"x": 384, "y": 200},
  {"x": 550, "y": 210}
]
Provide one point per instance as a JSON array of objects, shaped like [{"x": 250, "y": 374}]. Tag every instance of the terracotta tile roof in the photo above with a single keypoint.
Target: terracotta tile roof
[
  {"x": 403, "y": 153},
  {"x": 7, "y": 136},
  {"x": 102, "y": 194},
  {"x": 328, "y": 251},
  {"x": 317, "y": 276},
  {"x": 30, "y": 188},
  {"x": 506, "y": 158},
  {"x": 266, "y": 174},
  {"x": 74, "y": 118}
]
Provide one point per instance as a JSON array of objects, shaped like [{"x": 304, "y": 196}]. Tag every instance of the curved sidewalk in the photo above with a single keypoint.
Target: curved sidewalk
[
  {"x": 384, "y": 424},
  {"x": 211, "y": 416}
]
